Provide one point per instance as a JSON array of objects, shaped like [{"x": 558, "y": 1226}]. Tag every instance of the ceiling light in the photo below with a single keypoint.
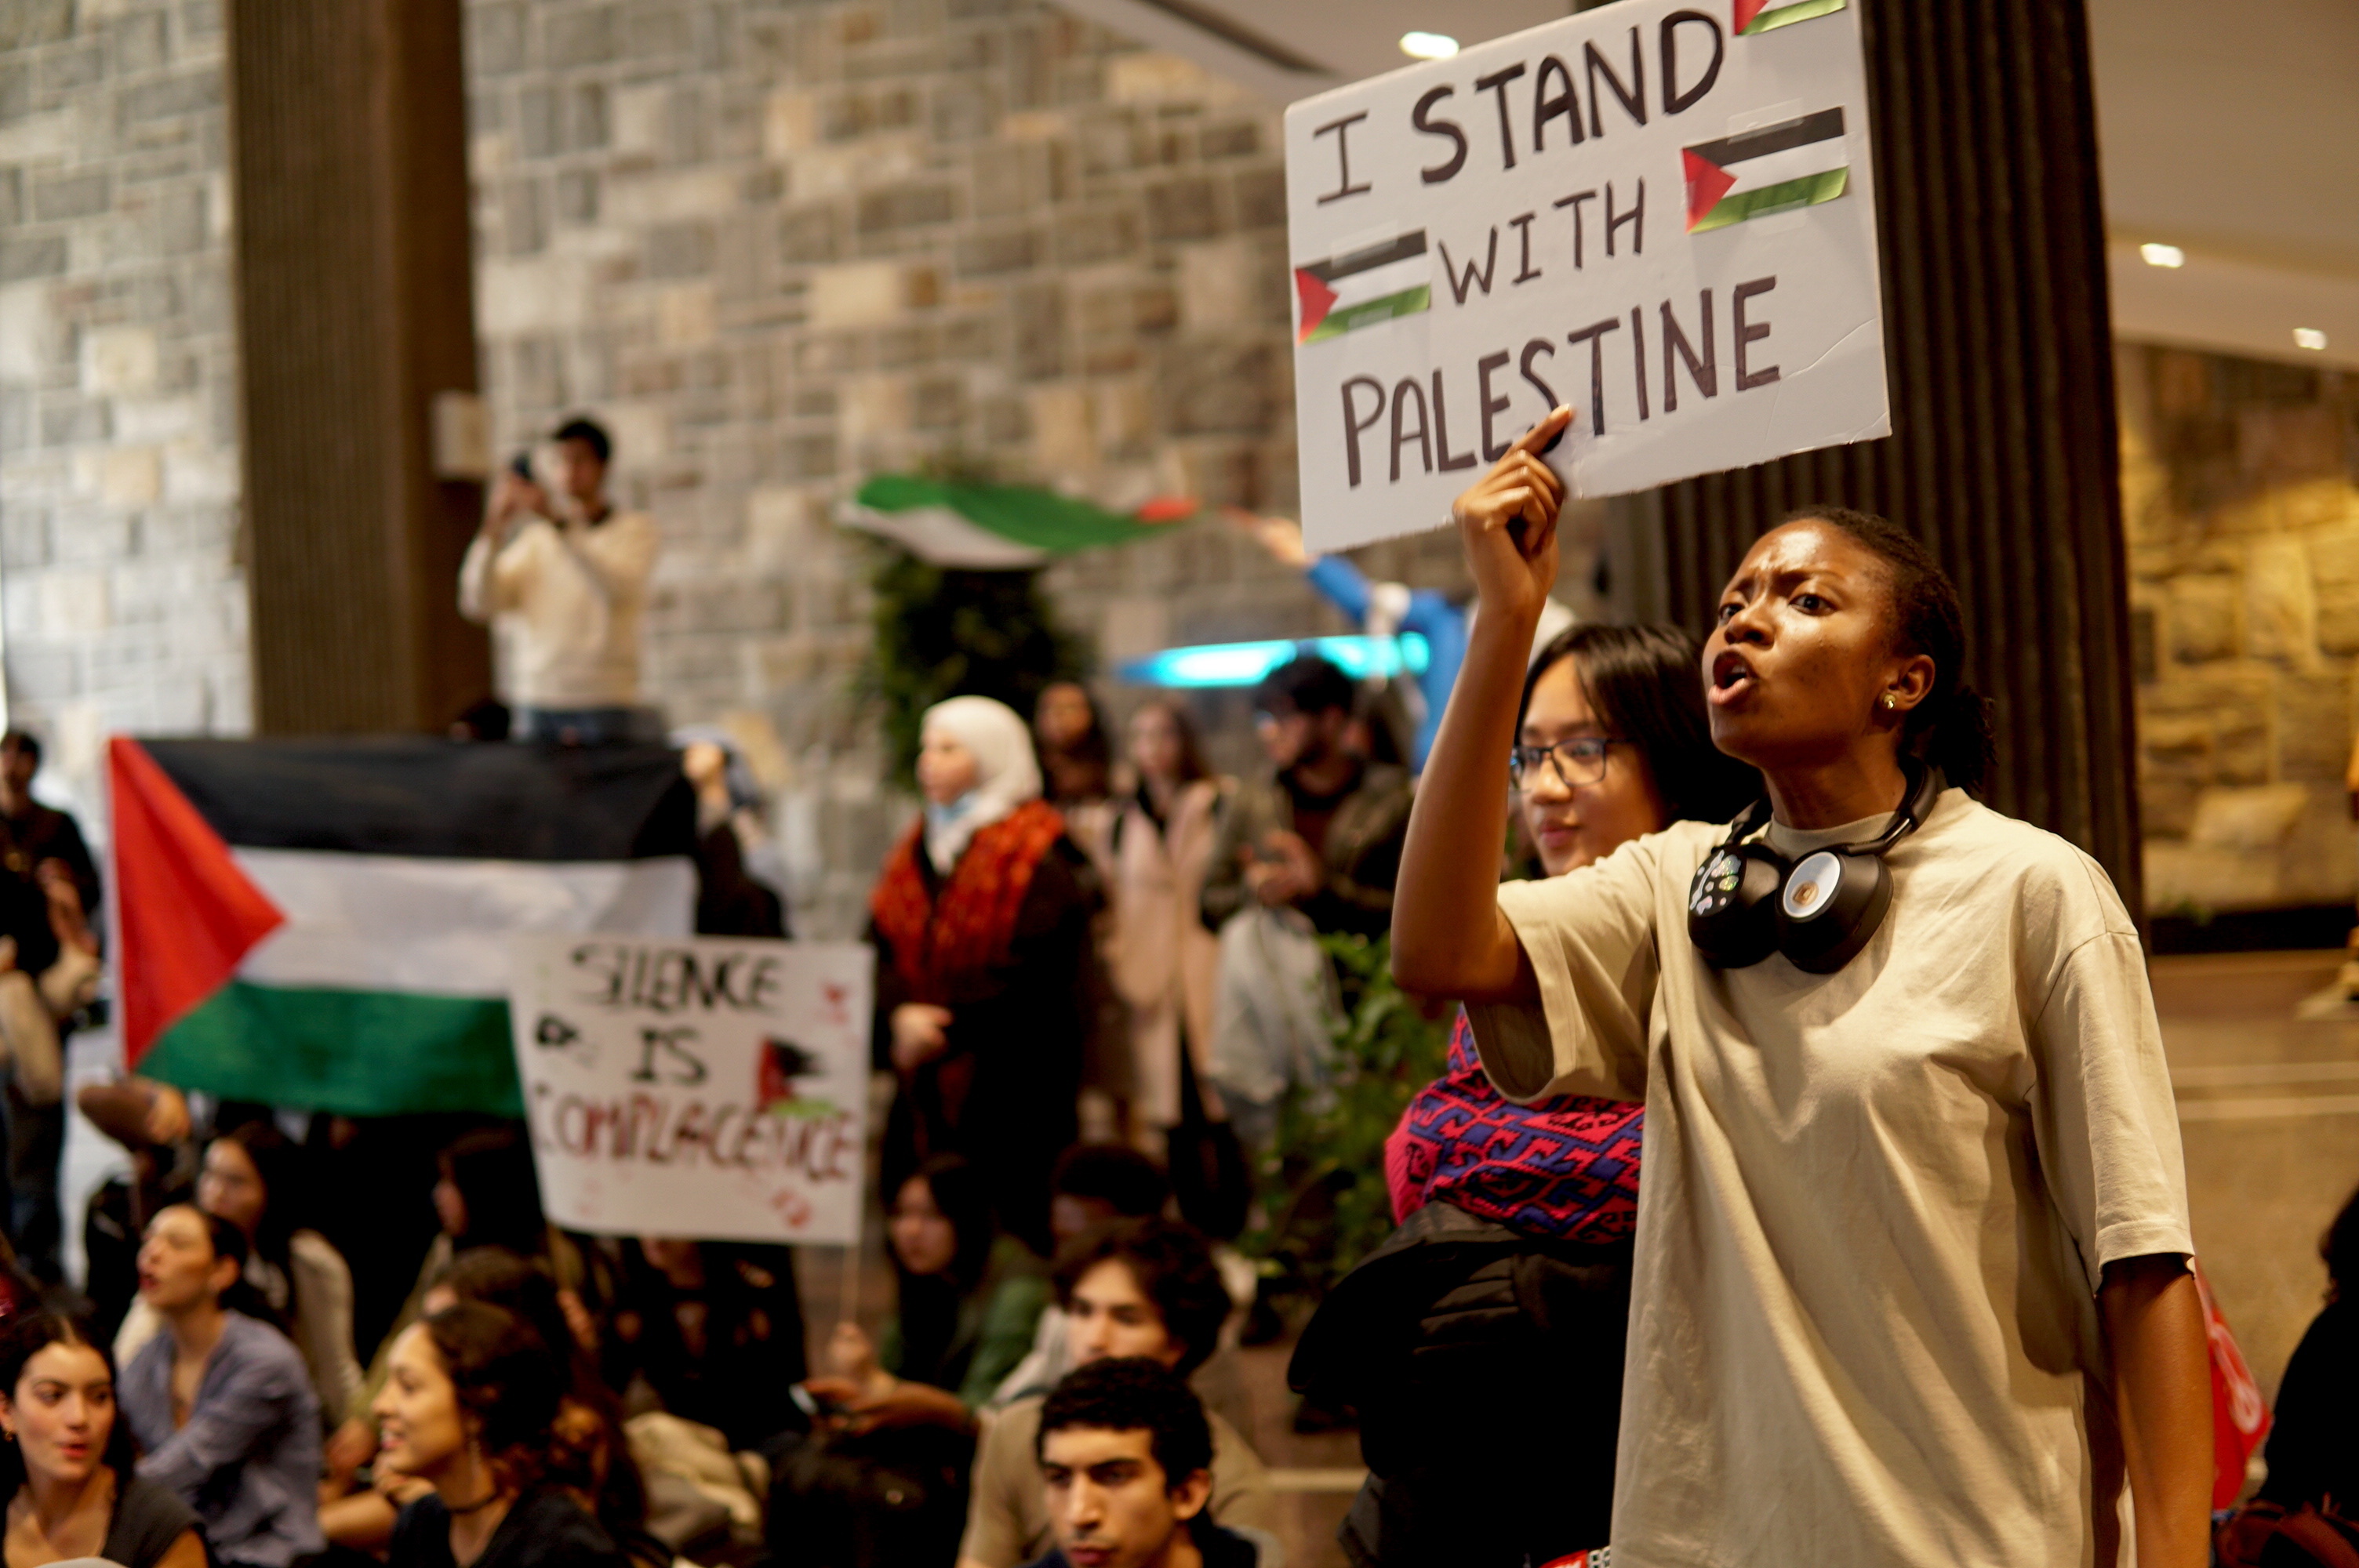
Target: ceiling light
[
  {"x": 2163, "y": 255},
  {"x": 2308, "y": 338},
  {"x": 1428, "y": 45}
]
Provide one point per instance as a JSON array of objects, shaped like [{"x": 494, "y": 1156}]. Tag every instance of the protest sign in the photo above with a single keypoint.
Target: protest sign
[
  {"x": 706, "y": 1088},
  {"x": 1662, "y": 213}
]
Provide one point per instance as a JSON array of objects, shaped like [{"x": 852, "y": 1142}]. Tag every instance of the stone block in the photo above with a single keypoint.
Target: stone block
[
  {"x": 680, "y": 250},
  {"x": 1037, "y": 317},
  {"x": 684, "y": 317},
  {"x": 1259, "y": 198},
  {"x": 810, "y": 234},
  {"x": 1228, "y": 389},
  {"x": 1064, "y": 431},
  {"x": 523, "y": 217},
  {"x": 906, "y": 207},
  {"x": 31, "y": 255},
  {"x": 189, "y": 93},
  {"x": 789, "y": 124},
  {"x": 129, "y": 476},
  {"x": 67, "y": 71},
  {"x": 2319, "y": 503},
  {"x": 2280, "y": 609},
  {"x": 539, "y": 131},
  {"x": 656, "y": 32},
  {"x": 577, "y": 196},
  {"x": 580, "y": 37},
  {"x": 994, "y": 252},
  {"x": 183, "y": 224},
  {"x": 1097, "y": 234},
  {"x": 2313, "y": 732},
  {"x": 2203, "y": 617},
  {"x": 2338, "y": 620},
  {"x": 963, "y": 110},
  {"x": 496, "y": 37},
  {"x": 196, "y": 476},
  {"x": 1186, "y": 209},
  {"x": 71, "y": 196},
  {"x": 669, "y": 196},
  {"x": 72, "y": 603},
  {"x": 27, "y": 23},
  {"x": 538, "y": 294},
  {"x": 141, "y": 42},
  {"x": 72, "y": 421},
  {"x": 1241, "y": 139},
  {"x": 860, "y": 294}
]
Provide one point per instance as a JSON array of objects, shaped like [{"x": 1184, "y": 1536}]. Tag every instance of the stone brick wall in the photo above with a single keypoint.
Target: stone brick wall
[
  {"x": 778, "y": 248},
  {"x": 2241, "y": 491},
  {"x": 124, "y": 601}
]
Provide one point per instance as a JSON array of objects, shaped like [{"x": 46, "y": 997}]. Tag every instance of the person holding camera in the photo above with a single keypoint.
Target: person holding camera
[{"x": 562, "y": 574}]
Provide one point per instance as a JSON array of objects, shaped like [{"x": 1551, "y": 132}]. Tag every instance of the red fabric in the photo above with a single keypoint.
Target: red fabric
[
  {"x": 186, "y": 913},
  {"x": 2240, "y": 1417},
  {"x": 943, "y": 942}
]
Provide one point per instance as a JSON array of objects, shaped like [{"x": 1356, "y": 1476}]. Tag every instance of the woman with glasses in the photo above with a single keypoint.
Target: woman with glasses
[{"x": 1431, "y": 1339}]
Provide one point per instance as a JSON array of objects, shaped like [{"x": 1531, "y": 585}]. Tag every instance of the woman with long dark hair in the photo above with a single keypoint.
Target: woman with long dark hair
[
  {"x": 899, "y": 1416},
  {"x": 1162, "y": 959},
  {"x": 253, "y": 1176},
  {"x": 1436, "y": 1339},
  {"x": 1911, "y": 1278},
  {"x": 468, "y": 1406},
  {"x": 67, "y": 1468}
]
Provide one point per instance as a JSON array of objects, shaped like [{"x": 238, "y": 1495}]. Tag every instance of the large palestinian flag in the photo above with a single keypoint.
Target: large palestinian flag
[{"x": 325, "y": 924}]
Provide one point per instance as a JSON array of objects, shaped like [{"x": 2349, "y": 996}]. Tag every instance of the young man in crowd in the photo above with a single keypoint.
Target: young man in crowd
[
  {"x": 1125, "y": 1458},
  {"x": 1324, "y": 835},
  {"x": 1091, "y": 1184},
  {"x": 562, "y": 576},
  {"x": 41, "y": 855},
  {"x": 1139, "y": 1290}
]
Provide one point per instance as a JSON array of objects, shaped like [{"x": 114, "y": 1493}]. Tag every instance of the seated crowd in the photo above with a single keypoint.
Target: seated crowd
[{"x": 555, "y": 1400}]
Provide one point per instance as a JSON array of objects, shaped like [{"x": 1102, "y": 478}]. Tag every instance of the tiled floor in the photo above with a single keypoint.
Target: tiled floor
[{"x": 2266, "y": 1063}]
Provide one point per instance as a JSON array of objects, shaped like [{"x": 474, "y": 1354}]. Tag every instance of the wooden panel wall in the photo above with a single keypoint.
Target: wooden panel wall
[
  {"x": 355, "y": 289},
  {"x": 2004, "y": 453}
]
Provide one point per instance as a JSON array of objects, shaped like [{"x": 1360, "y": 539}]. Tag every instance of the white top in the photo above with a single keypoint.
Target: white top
[
  {"x": 567, "y": 602},
  {"x": 1876, "y": 1204}
]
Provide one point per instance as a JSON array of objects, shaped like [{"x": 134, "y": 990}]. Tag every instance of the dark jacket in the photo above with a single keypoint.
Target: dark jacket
[
  {"x": 543, "y": 1529},
  {"x": 1446, "y": 1339},
  {"x": 2313, "y": 1449},
  {"x": 1221, "y": 1548},
  {"x": 1361, "y": 853}
]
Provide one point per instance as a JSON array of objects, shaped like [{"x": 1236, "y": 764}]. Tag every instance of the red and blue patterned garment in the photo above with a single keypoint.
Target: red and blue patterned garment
[{"x": 1565, "y": 1168}]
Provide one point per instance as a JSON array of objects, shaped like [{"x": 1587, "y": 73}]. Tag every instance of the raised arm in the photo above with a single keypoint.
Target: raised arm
[{"x": 1449, "y": 937}]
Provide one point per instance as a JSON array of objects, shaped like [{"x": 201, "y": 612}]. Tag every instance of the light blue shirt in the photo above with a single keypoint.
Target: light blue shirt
[{"x": 248, "y": 1459}]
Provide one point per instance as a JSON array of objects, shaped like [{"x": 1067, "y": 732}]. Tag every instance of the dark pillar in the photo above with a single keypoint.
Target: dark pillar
[
  {"x": 2003, "y": 454},
  {"x": 354, "y": 287}
]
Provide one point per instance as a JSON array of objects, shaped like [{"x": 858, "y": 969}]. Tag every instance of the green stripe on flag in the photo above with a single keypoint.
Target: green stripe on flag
[
  {"x": 1041, "y": 519},
  {"x": 1800, "y": 11},
  {"x": 1787, "y": 194},
  {"x": 353, "y": 1052},
  {"x": 1368, "y": 312}
]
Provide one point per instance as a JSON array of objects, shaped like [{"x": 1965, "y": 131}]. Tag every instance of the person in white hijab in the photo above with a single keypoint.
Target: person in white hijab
[
  {"x": 982, "y": 926},
  {"x": 975, "y": 764}
]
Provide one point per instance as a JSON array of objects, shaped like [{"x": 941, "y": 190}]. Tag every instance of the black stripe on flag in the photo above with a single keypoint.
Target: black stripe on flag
[
  {"x": 442, "y": 799},
  {"x": 1372, "y": 258},
  {"x": 1823, "y": 126}
]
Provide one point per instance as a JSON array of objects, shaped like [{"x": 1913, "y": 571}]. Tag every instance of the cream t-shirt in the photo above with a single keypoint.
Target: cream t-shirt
[
  {"x": 1876, "y": 1204},
  {"x": 567, "y": 601}
]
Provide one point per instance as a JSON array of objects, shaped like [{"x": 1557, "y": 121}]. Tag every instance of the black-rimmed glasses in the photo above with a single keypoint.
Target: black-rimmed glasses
[{"x": 1578, "y": 761}]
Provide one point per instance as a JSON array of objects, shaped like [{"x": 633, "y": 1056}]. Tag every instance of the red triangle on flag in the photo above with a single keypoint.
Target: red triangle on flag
[
  {"x": 1707, "y": 182},
  {"x": 1317, "y": 300},
  {"x": 188, "y": 915},
  {"x": 1745, "y": 11}
]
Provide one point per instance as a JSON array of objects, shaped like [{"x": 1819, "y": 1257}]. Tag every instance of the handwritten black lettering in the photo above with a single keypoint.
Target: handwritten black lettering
[
  {"x": 1749, "y": 332},
  {"x": 1704, "y": 372},
  {"x": 1632, "y": 94},
  {"x": 1484, "y": 368},
  {"x": 1594, "y": 336},
  {"x": 1522, "y": 224},
  {"x": 1496, "y": 82},
  {"x": 1408, "y": 387},
  {"x": 1636, "y": 218},
  {"x": 1423, "y": 119},
  {"x": 1574, "y": 201},
  {"x": 1344, "y": 186},
  {"x": 1459, "y": 284},
  {"x": 1547, "y": 106},
  {"x": 1638, "y": 357},
  {"x": 1548, "y": 393},
  {"x": 1674, "y": 101},
  {"x": 1441, "y": 432},
  {"x": 1354, "y": 424}
]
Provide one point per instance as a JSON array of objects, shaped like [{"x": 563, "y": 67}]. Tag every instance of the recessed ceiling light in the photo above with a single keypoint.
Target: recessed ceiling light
[
  {"x": 2163, "y": 255},
  {"x": 1428, "y": 45},
  {"x": 2308, "y": 338}
]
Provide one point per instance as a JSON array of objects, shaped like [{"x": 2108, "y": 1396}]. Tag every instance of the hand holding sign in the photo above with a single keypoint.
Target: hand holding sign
[{"x": 1507, "y": 523}]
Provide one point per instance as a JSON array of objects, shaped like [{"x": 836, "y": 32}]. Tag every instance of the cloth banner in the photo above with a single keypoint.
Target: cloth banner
[
  {"x": 715, "y": 1088},
  {"x": 1660, "y": 213}
]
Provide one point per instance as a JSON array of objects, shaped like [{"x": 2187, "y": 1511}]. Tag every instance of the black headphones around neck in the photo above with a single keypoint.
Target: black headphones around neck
[{"x": 1749, "y": 901}]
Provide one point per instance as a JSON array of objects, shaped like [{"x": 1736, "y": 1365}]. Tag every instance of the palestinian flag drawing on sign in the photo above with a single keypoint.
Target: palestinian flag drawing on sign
[
  {"x": 1757, "y": 16},
  {"x": 324, "y": 924},
  {"x": 1363, "y": 288},
  {"x": 1795, "y": 163}
]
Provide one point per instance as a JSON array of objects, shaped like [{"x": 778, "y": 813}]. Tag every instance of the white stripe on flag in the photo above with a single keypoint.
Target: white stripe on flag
[
  {"x": 438, "y": 927},
  {"x": 1379, "y": 282},
  {"x": 1793, "y": 163}
]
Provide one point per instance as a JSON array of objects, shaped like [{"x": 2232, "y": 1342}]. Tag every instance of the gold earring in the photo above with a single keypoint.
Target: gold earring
[{"x": 1890, "y": 702}]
